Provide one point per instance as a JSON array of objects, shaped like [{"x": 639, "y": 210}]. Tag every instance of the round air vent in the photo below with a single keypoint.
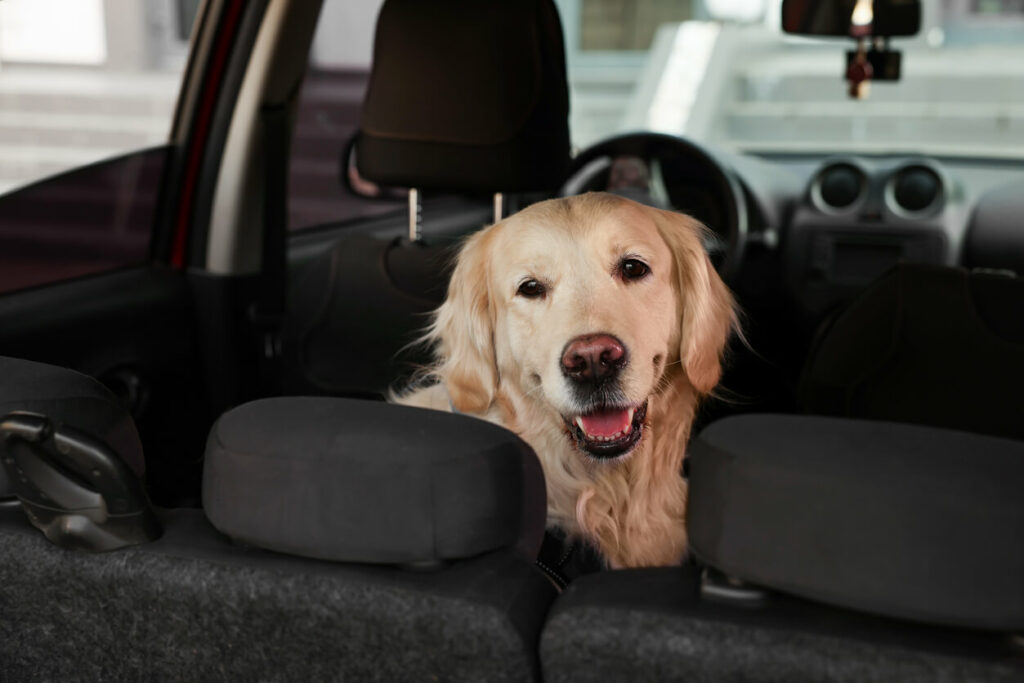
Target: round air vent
[
  {"x": 915, "y": 189},
  {"x": 838, "y": 187}
]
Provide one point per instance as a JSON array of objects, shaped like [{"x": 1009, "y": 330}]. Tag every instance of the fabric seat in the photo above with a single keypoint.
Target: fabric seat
[
  {"x": 350, "y": 318},
  {"x": 362, "y": 481},
  {"x": 659, "y": 625},
  {"x": 464, "y": 97},
  {"x": 193, "y": 605},
  {"x": 925, "y": 344},
  {"x": 430, "y": 520},
  {"x": 898, "y": 520}
]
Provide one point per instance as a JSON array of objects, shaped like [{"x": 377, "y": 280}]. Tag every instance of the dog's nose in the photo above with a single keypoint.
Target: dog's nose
[{"x": 593, "y": 358}]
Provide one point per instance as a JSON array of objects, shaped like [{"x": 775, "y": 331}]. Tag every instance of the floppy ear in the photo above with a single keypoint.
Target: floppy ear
[
  {"x": 708, "y": 309},
  {"x": 463, "y": 330}
]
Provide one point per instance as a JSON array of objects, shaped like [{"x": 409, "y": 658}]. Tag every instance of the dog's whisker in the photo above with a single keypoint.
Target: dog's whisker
[{"x": 534, "y": 390}]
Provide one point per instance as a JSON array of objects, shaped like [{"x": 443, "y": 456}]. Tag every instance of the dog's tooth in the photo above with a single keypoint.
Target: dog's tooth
[{"x": 579, "y": 423}]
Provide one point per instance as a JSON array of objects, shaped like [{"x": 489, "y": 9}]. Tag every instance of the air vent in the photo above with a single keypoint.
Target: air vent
[
  {"x": 839, "y": 187},
  {"x": 915, "y": 189}
]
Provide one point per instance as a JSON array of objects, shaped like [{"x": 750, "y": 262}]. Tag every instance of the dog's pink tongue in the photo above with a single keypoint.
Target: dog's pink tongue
[{"x": 605, "y": 423}]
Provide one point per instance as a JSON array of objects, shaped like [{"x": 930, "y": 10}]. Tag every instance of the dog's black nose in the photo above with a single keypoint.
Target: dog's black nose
[{"x": 593, "y": 358}]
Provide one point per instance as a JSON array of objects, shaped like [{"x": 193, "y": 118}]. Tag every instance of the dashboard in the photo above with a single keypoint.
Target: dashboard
[
  {"x": 823, "y": 227},
  {"x": 843, "y": 221}
]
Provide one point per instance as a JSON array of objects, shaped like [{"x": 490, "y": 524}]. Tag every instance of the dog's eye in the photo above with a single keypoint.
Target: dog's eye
[
  {"x": 632, "y": 269},
  {"x": 531, "y": 289}
]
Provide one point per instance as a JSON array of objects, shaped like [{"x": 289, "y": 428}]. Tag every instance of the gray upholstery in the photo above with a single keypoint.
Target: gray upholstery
[
  {"x": 924, "y": 344},
  {"x": 653, "y": 625},
  {"x": 467, "y": 97},
  {"x": 364, "y": 481},
  {"x": 899, "y": 520},
  {"x": 193, "y": 607}
]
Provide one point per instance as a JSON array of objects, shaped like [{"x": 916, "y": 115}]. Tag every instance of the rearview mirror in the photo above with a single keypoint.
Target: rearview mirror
[{"x": 852, "y": 18}]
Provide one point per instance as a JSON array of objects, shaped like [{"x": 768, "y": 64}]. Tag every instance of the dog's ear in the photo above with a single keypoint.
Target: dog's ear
[
  {"x": 463, "y": 331},
  {"x": 708, "y": 309}
]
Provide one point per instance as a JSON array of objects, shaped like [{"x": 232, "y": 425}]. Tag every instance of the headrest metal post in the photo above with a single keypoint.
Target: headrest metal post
[
  {"x": 415, "y": 216},
  {"x": 499, "y": 206}
]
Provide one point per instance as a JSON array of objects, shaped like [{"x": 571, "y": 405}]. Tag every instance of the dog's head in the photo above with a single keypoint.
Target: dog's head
[{"x": 584, "y": 305}]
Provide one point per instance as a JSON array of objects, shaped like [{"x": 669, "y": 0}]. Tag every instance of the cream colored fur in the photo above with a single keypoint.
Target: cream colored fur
[{"x": 498, "y": 356}]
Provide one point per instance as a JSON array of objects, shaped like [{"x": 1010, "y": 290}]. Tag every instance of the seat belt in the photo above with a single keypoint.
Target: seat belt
[{"x": 267, "y": 311}]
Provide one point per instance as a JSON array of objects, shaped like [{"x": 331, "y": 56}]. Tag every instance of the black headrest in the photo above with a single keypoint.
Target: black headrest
[
  {"x": 899, "y": 520},
  {"x": 364, "y": 481},
  {"x": 466, "y": 95}
]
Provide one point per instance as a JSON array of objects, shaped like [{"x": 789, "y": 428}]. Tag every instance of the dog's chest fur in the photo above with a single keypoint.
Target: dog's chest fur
[{"x": 632, "y": 510}]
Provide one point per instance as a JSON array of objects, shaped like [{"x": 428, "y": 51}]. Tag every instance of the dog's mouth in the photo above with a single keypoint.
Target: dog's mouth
[{"x": 610, "y": 431}]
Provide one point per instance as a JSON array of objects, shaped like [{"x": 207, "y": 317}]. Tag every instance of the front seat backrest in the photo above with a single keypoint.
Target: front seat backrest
[
  {"x": 464, "y": 96},
  {"x": 929, "y": 345}
]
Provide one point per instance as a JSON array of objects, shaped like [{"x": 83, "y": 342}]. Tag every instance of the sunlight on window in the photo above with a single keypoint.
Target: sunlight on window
[
  {"x": 677, "y": 89},
  {"x": 52, "y": 31}
]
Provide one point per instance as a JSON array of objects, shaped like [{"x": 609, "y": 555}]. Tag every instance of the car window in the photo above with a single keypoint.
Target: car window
[
  {"x": 730, "y": 78},
  {"x": 87, "y": 94},
  {"x": 328, "y": 116},
  {"x": 717, "y": 71},
  {"x": 607, "y": 43}
]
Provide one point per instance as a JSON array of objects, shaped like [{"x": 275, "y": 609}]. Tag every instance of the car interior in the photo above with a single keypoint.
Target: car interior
[{"x": 201, "y": 477}]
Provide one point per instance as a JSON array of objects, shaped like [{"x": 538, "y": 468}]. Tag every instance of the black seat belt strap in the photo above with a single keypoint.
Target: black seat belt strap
[{"x": 268, "y": 309}]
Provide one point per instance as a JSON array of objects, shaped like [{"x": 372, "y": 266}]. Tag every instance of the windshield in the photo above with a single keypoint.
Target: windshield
[{"x": 722, "y": 72}]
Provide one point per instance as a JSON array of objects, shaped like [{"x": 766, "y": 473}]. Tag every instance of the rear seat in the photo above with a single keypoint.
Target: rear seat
[
  {"x": 425, "y": 525},
  {"x": 916, "y": 528},
  {"x": 654, "y": 625},
  {"x": 193, "y": 606}
]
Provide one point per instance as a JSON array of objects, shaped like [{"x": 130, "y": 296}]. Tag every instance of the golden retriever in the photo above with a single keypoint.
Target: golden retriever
[{"x": 591, "y": 326}]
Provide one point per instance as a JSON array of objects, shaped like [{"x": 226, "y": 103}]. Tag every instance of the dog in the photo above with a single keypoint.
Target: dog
[{"x": 591, "y": 326}]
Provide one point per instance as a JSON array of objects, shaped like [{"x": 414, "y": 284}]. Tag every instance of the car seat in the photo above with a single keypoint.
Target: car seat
[
  {"x": 824, "y": 549},
  {"x": 341, "y": 539},
  {"x": 464, "y": 97},
  {"x": 925, "y": 344}
]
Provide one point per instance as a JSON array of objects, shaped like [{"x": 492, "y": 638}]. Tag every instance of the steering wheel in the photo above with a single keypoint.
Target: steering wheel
[{"x": 691, "y": 180}]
